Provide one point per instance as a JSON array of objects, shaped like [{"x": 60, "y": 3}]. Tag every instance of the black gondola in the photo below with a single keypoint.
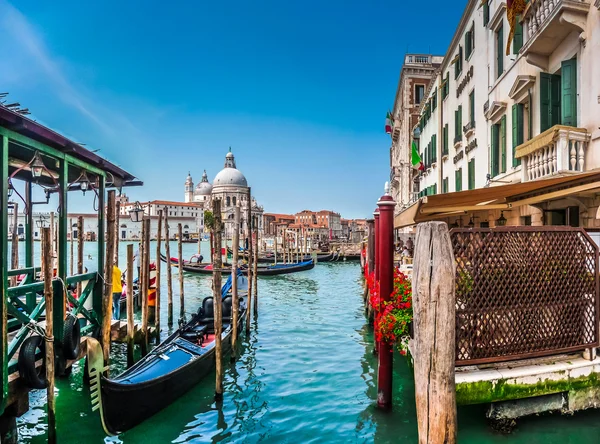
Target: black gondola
[
  {"x": 162, "y": 376},
  {"x": 269, "y": 258}
]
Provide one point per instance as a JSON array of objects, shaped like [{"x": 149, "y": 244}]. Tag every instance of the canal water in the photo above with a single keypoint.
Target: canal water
[{"x": 306, "y": 375}]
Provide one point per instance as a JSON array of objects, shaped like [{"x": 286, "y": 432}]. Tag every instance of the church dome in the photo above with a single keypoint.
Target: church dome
[
  {"x": 204, "y": 188},
  {"x": 230, "y": 176}
]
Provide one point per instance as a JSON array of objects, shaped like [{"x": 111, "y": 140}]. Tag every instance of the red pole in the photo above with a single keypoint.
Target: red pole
[
  {"x": 377, "y": 262},
  {"x": 386, "y": 281}
]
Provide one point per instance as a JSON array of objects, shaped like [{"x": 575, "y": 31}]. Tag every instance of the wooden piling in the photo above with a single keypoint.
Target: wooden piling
[
  {"x": 254, "y": 272},
  {"x": 169, "y": 272},
  {"x": 234, "y": 290},
  {"x": 276, "y": 235},
  {"x": 283, "y": 244},
  {"x": 79, "y": 252},
  {"x": 52, "y": 230},
  {"x": 158, "y": 266},
  {"x": 108, "y": 272},
  {"x": 217, "y": 300},
  {"x": 72, "y": 248},
  {"x": 14, "y": 253},
  {"x": 118, "y": 218},
  {"x": 130, "y": 325},
  {"x": 434, "y": 323},
  {"x": 47, "y": 271},
  {"x": 249, "y": 234},
  {"x": 144, "y": 284},
  {"x": 180, "y": 260}
]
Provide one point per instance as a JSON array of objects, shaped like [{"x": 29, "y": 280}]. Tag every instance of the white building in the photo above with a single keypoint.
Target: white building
[
  {"x": 492, "y": 119},
  {"x": 229, "y": 185}
]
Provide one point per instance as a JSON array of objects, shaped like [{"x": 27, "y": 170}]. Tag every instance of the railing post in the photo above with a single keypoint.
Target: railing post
[
  {"x": 386, "y": 206},
  {"x": 370, "y": 245},
  {"x": 433, "y": 286}
]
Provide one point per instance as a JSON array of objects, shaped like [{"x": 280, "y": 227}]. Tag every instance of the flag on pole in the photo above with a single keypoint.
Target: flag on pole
[
  {"x": 388, "y": 123},
  {"x": 514, "y": 8},
  {"x": 416, "y": 159}
]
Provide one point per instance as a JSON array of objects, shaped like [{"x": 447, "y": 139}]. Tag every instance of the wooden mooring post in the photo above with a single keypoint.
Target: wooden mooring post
[
  {"x": 234, "y": 283},
  {"x": 249, "y": 237},
  {"x": 117, "y": 221},
  {"x": 145, "y": 281},
  {"x": 254, "y": 271},
  {"x": 158, "y": 267},
  {"x": 180, "y": 261},
  {"x": 108, "y": 272},
  {"x": 169, "y": 272},
  {"x": 47, "y": 271},
  {"x": 218, "y": 304},
  {"x": 129, "y": 306},
  {"x": 434, "y": 301}
]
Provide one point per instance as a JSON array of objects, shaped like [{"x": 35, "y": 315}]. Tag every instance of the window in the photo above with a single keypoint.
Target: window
[
  {"x": 434, "y": 148},
  {"x": 445, "y": 185},
  {"x": 499, "y": 52},
  {"x": 486, "y": 12},
  {"x": 471, "y": 174},
  {"x": 569, "y": 216},
  {"x": 526, "y": 220},
  {"x": 228, "y": 199},
  {"x": 233, "y": 200},
  {"x": 470, "y": 41},
  {"x": 458, "y": 63},
  {"x": 498, "y": 147},
  {"x": 458, "y": 180},
  {"x": 419, "y": 93},
  {"x": 434, "y": 100},
  {"x": 446, "y": 86},
  {"x": 445, "y": 140},
  {"x": 550, "y": 95},
  {"x": 472, "y": 109},
  {"x": 517, "y": 130},
  {"x": 518, "y": 36},
  {"x": 458, "y": 124}
]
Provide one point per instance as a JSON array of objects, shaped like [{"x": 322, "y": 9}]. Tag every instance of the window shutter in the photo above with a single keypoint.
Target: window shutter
[
  {"x": 445, "y": 135},
  {"x": 545, "y": 116},
  {"x": 494, "y": 149},
  {"x": 500, "y": 51},
  {"x": 471, "y": 174},
  {"x": 569, "y": 92},
  {"x": 434, "y": 147},
  {"x": 468, "y": 43},
  {"x": 518, "y": 36},
  {"x": 517, "y": 130},
  {"x": 455, "y": 124},
  {"x": 503, "y": 143},
  {"x": 486, "y": 13},
  {"x": 459, "y": 120},
  {"x": 472, "y": 107},
  {"x": 555, "y": 100}
]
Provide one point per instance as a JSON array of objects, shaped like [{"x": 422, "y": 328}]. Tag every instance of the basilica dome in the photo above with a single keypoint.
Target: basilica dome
[
  {"x": 204, "y": 188},
  {"x": 230, "y": 175}
]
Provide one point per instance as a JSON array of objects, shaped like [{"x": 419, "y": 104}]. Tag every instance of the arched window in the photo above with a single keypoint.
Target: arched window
[
  {"x": 233, "y": 200},
  {"x": 228, "y": 201}
]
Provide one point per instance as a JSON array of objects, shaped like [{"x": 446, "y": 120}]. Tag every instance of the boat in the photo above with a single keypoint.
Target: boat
[
  {"x": 269, "y": 258},
  {"x": 201, "y": 268},
  {"x": 166, "y": 373}
]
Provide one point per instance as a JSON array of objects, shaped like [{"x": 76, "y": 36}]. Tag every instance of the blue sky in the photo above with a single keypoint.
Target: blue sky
[{"x": 298, "y": 89}]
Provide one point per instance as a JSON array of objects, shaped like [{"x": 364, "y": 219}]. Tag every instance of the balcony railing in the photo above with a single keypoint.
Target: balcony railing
[
  {"x": 547, "y": 23},
  {"x": 469, "y": 129},
  {"x": 557, "y": 151}
]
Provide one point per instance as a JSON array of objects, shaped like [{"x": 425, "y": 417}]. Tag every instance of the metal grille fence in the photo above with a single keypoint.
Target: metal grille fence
[{"x": 524, "y": 292}]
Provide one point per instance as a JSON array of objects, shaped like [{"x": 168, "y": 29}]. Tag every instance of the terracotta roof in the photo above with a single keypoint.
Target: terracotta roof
[{"x": 166, "y": 202}]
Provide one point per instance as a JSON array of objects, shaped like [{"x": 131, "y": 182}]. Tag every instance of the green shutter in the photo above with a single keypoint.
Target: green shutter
[
  {"x": 435, "y": 188},
  {"x": 545, "y": 116},
  {"x": 486, "y": 13},
  {"x": 555, "y": 100},
  {"x": 445, "y": 185},
  {"x": 471, "y": 174},
  {"x": 518, "y": 36},
  {"x": 459, "y": 120},
  {"x": 472, "y": 107},
  {"x": 494, "y": 150},
  {"x": 445, "y": 141},
  {"x": 517, "y": 130},
  {"x": 569, "y": 92},
  {"x": 457, "y": 180},
  {"x": 468, "y": 44},
  {"x": 503, "y": 144},
  {"x": 500, "y": 51}
]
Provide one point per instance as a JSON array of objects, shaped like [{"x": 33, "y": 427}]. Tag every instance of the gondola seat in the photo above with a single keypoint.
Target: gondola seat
[
  {"x": 207, "y": 313},
  {"x": 196, "y": 334}
]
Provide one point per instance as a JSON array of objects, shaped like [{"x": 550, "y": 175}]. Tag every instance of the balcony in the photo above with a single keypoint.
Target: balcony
[
  {"x": 547, "y": 23},
  {"x": 457, "y": 141},
  {"x": 560, "y": 150},
  {"x": 469, "y": 129}
]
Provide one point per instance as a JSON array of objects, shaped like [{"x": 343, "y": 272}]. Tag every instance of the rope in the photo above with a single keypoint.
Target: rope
[{"x": 34, "y": 327}]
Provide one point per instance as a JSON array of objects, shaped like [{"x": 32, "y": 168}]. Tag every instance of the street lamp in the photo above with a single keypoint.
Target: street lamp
[
  {"x": 501, "y": 221},
  {"x": 11, "y": 189},
  {"x": 84, "y": 182},
  {"x": 37, "y": 166},
  {"x": 137, "y": 213}
]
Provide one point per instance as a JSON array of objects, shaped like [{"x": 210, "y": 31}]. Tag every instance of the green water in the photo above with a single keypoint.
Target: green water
[{"x": 306, "y": 374}]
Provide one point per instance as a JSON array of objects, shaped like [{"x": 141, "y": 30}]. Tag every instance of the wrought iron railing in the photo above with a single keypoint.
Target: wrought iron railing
[{"x": 524, "y": 292}]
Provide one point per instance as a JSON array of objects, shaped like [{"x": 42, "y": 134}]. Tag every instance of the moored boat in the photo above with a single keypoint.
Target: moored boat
[{"x": 165, "y": 374}]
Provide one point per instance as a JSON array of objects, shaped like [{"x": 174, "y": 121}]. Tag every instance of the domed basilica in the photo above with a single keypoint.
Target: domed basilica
[{"x": 231, "y": 186}]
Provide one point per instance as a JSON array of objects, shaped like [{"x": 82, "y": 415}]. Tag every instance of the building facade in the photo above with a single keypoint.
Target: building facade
[
  {"x": 415, "y": 77},
  {"x": 512, "y": 107},
  {"x": 328, "y": 222}
]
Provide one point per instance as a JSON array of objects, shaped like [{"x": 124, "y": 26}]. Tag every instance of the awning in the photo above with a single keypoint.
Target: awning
[{"x": 502, "y": 197}]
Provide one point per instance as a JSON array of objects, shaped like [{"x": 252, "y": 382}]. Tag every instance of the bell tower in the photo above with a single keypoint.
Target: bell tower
[{"x": 189, "y": 189}]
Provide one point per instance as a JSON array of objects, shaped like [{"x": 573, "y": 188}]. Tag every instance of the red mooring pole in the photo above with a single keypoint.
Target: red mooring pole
[
  {"x": 377, "y": 262},
  {"x": 385, "y": 246}
]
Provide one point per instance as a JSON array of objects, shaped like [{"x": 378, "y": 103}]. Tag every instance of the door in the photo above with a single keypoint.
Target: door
[
  {"x": 569, "y": 92},
  {"x": 550, "y": 92}
]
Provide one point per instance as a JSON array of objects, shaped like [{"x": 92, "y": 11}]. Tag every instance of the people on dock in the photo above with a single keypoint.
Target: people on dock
[{"x": 117, "y": 285}]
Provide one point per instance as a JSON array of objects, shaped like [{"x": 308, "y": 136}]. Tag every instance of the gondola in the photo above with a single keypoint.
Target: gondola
[
  {"x": 269, "y": 258},
  {"x": 165, "y": 374},
  {"x": 200, "y": 268},
  {"x": 269, "y": 270}
]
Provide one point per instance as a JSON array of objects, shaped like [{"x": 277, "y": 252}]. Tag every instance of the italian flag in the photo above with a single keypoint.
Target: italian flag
[
  {"x": 388, "y": 123},
  {"x": 416, "y": 159}
]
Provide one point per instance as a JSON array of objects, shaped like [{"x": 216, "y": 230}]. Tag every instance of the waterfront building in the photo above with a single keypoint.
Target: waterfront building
[
  {"x": 231, "y": 186},
  {"x": 415, "y": 77},
  {"x": 506, "y": 110},
  {"x": 323, "y": 221},
  {"x": 273, "y": 220}
]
